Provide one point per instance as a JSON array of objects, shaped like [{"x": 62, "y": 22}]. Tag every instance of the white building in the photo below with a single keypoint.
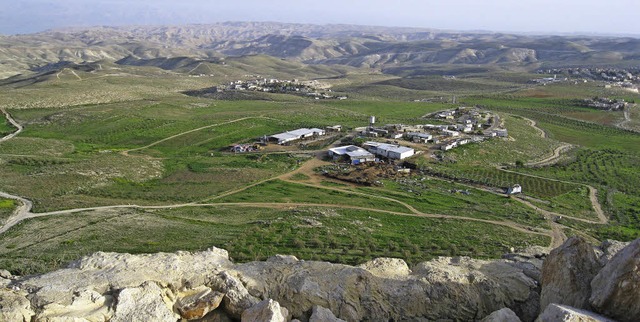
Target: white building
[
  {"x": 390, "y": 151},
  {"x": 501, "y": 133},
  {"x": 450, "y": 133},
  {"x": 298, "y": 134},
  {"x": 419, "y": 137},
  {"x": 355, "y": 154}
]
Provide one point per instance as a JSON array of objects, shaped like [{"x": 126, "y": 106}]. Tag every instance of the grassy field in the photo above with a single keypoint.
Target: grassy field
[
  {"x": 130, "y": 136},
  {"x": 338, "y": 235},
  {"x": 6, "y": 209},
  {"x": 5, "y": 126}
]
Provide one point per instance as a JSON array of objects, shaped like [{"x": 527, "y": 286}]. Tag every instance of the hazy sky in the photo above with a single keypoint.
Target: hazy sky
[{"x": 544, "y": 16}]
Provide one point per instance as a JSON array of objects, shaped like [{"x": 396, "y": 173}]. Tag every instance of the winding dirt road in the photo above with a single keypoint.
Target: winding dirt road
[
  {"x": 557, "y": 152},
  {"x": 14, "y": 123}
]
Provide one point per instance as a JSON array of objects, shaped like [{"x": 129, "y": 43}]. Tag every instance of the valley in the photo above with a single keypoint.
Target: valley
[{"x": 109, "y": 153}]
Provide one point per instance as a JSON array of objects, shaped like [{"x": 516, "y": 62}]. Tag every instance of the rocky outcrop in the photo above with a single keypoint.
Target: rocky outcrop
[
  {"x": 556, "y": 312},
  {"x": 206, "y": 286},
  {"x": 616, "y": 288},
  {"x": 567, "y": 273},
  {"x": 502, "y": 315}
]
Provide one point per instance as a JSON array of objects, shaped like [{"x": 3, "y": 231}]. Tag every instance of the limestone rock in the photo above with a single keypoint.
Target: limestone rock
[
  {"x": 5, "y": 274},
  {"x": 453, "y": 288},
  {"x": 616, "y": 289},
  {"x": 387, "y": 267},
  {"x": 103, "y": 272},
  {"x": 321, "y": 314},
  {"x": 567, "y": 273},
  {"x": 147, "y": 302},
  {"x": 87, "y": 305},
  {"x": 196, "y": 303},
  {"x": 502, "y": 315},
  {"x": 609, "y": 249},
  {"x": 265, "y": 311},
  {"x": 556, "y": 312},
  {"x": 14, "y": 306},
  {"x": 236, "y": 299}
]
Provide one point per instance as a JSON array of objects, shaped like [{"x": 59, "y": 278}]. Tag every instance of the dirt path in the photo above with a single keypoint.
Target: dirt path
[
  {"x": 557, "y": 152},
  {"x": 627, "y": 118},
  {"x": 14, "y": 123},
  {"x": 126, "y": 152}
]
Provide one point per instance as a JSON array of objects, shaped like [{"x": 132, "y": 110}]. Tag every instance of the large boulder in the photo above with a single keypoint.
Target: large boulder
[
  {"x": 387, "y": 267},
  {"x": 237, "y": 298},
  {"x": 567, "y": 273},
  {"x": 502, "y": 315},
  {"x": 265, "y": 311},
  {"x": 610, "y": 248},
  {"x": 14, "y": 306},
  {"x": 321, "y": 314},
  {"x": 196, "y": 303},
  {"x": 147, "y": 302},
  {"x": 556, "y": 312},
  {"x": 616, "y": 289},
  {"x": 103, "y": 272},
  {"x": 87, "y": 305}
]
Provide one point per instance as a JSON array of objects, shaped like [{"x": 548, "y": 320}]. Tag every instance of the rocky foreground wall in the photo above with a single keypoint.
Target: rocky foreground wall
[{"x": 207, "y": 286}]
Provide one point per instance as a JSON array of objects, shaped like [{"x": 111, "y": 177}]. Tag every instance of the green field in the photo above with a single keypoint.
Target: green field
[
  {"x": 130, "y": 136},
  {"x": 338, "y": 235}
]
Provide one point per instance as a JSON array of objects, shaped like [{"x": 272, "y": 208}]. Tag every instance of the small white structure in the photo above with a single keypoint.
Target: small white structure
[
  {"x": 390, "y": 151},
  {"x": 448, "y": 146},
  {"x": 298, "y": 134},
  {"x": 501, "y": 133},
  {"x": 355, "y": 154},
  {"x": 419, "y": 137},
  {"x": 334, "y": 128},
  {"x": 516, "y": 188},
  {"x": 463, "y": 141}
]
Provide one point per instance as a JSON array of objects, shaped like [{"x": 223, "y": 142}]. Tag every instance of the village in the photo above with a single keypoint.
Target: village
[
  {"x": 312, "y": 88},
  {"x": 628, "y": 79},
  {"x": 387, "y": 147}
]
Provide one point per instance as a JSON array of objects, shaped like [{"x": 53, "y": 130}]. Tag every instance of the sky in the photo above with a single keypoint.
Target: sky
[{"x": 518, "y": 16}]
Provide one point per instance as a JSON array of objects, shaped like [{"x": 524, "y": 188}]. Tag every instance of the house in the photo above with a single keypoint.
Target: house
[
  {"x": 501, "y": 133},
  {"x": 356, "y": 155},
  {"x": 514, "y": 189},
  {"x": 298, "y": 134},
  {"x": 334, "y": 128},
  {"x": 419, "y": 137},
  {"x": 450, "y": 133},
  {"x": 390, "y": 151},
  {"x": 462, "y": 141},
  {"x": 448, "y": 146}
]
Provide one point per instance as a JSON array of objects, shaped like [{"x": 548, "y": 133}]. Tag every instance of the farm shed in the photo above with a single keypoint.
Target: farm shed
[
  {"x": 355, "y": 154},
  {"x": 390, "y": 151},
  {"x": 294, "y": 135}
]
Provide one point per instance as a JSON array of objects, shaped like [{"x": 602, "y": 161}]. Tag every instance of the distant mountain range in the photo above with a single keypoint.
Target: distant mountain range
[{"x": 385, "y": 48}]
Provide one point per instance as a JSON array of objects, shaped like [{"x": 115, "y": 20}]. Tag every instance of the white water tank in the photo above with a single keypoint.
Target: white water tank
[{"x": 372, "y": 120}]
